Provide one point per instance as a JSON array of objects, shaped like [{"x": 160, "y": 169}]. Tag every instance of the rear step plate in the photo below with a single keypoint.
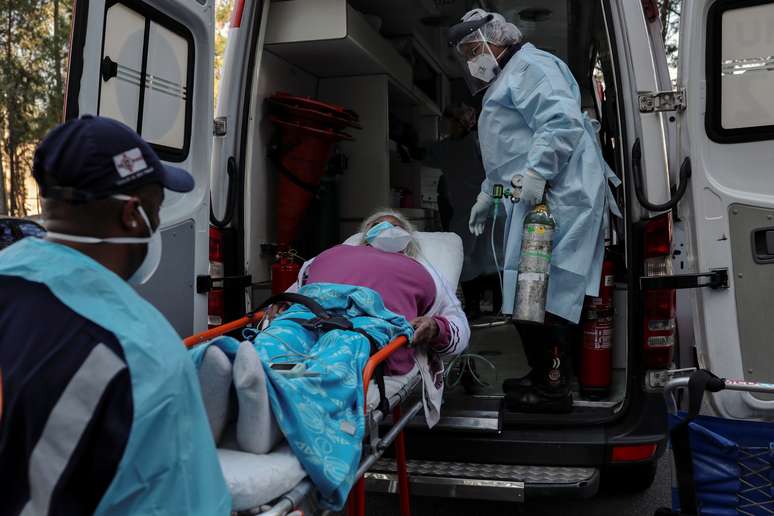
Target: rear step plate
[{"x": 484, "y": 481}]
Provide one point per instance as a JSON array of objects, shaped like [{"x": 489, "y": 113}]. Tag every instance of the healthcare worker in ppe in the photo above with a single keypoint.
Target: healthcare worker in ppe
[
  {"x": 533, "y": 134},
  {"x": 459, "y": 158},
  {"x": 101, "y": 410}
]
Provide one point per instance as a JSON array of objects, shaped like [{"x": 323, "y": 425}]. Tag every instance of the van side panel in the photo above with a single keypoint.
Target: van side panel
[
  {"x": 731, "y": 196},
  {"x": 172, "y": 109},
  {"x": 642, "y": 70}
]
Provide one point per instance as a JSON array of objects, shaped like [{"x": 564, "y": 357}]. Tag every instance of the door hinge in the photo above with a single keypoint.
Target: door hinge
[
  {"x": 220, "y": 126},
  {"x": 653, "y": 102},
  {"x": 718, "y": 279},
  {"x": 205, "y": 283}
]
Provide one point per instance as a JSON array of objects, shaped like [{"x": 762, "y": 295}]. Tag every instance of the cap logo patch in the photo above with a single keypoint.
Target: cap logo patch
[{"x": 129, "y": 162}]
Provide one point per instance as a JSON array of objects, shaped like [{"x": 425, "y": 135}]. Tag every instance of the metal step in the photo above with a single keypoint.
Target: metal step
[{"x": 501, "y": 482}]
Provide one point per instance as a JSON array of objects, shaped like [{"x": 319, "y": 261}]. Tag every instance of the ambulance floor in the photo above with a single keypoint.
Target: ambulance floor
[{"x": 501, "y": 345}]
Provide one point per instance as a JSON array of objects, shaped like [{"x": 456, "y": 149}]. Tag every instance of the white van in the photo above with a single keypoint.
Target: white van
[{"x": 696, "y": 244}]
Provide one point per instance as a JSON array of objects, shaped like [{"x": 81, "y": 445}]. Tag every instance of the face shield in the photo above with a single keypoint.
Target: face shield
[{"x": 474, "y": 54}]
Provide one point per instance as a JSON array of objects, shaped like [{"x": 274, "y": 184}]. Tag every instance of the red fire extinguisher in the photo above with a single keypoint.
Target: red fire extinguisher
[
  {"x": 596, "y": 351},
  {"x": 284, "y": 272}
]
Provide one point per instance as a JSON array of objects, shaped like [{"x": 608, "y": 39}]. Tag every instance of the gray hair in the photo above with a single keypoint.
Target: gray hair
[{"x": 412, "y": 249}]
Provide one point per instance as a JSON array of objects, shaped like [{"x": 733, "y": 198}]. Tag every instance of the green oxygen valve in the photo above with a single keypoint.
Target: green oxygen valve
[{"x": 498, "y": 191}]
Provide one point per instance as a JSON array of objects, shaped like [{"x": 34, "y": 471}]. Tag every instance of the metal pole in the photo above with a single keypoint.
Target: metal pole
[{"x": 402, "y": 467}]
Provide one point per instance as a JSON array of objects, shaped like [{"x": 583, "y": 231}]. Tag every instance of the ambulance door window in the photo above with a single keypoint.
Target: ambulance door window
[
  {"x": 146, "y": 79},
  {"x": 741, "y": 71}
]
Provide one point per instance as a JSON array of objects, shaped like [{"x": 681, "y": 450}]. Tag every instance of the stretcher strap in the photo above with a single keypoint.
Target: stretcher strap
[
  {"x": 700, "y": 381},
  {"x": 324, "y": 322}
]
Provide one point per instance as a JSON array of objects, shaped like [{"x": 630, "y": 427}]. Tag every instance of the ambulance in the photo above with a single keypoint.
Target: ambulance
[{"x": 694, "y": 250}]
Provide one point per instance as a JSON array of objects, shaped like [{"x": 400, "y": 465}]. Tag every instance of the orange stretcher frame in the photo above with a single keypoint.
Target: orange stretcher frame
[{"x": 357, "y": 497}]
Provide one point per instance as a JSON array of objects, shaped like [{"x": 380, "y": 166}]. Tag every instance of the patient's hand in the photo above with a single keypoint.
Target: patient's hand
[
  {"x": 274, "y": 310},
  {"x": 425, "y": 330}
]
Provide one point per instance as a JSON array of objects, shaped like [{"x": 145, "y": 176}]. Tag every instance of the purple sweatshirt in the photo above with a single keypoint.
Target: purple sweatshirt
[{"x": 406, "y": 288}]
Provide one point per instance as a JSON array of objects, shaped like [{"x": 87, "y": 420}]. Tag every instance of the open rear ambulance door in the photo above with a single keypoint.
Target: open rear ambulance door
[
  {"x": 727, "y": 69},
  {"x": 149, "y": 65}
]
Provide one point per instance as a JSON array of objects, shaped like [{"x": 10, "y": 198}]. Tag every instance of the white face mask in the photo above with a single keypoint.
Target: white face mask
[
  {"x": 483, "y": 67},
  {"x": 388, "y": 238},
  {"x": 152, "y": 256}
]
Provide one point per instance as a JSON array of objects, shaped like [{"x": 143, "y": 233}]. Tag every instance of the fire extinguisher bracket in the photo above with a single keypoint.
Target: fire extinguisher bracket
[{"x": 205, "y": 283}]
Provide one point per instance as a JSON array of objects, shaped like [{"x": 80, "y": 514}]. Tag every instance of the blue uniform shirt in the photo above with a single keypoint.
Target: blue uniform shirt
[{"x": 102, "y": 410}]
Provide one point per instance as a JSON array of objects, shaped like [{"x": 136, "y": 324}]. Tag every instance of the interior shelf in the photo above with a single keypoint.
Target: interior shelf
[{"x": 328, "y": 38}]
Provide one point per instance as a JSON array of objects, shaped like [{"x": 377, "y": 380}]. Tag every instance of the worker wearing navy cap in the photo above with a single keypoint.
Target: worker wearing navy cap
[{"x": 102, "y": 410}]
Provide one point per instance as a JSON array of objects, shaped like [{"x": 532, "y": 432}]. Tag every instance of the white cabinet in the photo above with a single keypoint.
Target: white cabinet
[
  {"x": 328, "y": 38},
  {"x": 358, "y": 69}
]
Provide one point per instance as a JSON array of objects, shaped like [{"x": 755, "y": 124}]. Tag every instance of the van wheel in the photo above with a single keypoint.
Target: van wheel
[{"x": 629, "y": 478}]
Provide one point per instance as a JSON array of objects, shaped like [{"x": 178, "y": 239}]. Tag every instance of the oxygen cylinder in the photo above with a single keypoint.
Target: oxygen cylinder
[
  {"x": 596, "y": 369},
  {"x": 537, "y": 242},
  {"x": 284, "y": 272}
]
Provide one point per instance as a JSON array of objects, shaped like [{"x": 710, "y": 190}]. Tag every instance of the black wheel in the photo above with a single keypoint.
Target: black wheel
[{"x": 629, "y": 478}]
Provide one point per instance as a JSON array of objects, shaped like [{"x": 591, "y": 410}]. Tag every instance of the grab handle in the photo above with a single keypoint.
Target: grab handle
[{"x": 639, "y": 190}]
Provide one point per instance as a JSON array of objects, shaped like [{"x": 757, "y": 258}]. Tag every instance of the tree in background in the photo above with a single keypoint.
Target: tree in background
[
  {"x": 669, "y": 10},
  {"x": 33, "y": 48},
  {"x": 222, "y": 18}
]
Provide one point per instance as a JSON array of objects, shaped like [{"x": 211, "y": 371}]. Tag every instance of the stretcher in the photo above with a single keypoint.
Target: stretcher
[
  {"x": 275, "y": 484},
  {"x": 271, "y": 471},
  {"x": 721, "y": 466}
]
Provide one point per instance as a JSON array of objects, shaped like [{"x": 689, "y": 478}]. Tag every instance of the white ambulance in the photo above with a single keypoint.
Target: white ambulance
[{"x": 696, "y": 243}]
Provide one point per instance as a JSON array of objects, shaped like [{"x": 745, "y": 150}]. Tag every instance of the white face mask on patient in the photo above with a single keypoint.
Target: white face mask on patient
[{"x": 388, "y": 238}]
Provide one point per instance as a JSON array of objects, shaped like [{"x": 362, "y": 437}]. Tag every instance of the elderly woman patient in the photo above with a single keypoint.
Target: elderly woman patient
[{"x": 305, "y": 386}]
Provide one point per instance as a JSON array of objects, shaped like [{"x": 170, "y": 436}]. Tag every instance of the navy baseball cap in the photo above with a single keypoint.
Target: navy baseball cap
[{"x": 94, "y": 157}]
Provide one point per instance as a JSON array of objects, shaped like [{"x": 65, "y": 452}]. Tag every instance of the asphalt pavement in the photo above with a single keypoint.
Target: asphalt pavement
[{"x": 604, "y": 504}]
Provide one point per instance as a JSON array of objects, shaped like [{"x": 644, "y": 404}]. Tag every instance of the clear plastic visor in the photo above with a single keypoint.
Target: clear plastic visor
[{"x": 478, "y": 61}]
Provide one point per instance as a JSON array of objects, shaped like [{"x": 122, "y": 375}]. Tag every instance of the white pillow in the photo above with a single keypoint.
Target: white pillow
[{"x": 442, "y": 250}]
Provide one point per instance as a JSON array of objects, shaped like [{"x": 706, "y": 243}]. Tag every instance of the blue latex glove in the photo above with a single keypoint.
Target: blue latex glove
[
  {"x": 532, "y": 187},
  {"x": 479, "y": 213}
]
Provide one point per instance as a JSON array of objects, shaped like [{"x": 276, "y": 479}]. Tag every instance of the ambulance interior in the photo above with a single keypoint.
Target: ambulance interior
[{"x": 389, "y": 62}]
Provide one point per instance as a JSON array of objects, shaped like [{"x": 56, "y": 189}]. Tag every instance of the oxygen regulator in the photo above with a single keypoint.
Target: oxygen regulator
[{"x": 514, "y": 194}]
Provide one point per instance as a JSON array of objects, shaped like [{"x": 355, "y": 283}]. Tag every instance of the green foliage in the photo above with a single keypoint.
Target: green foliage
[
  {"x": 222, "y": 18},
  {"x": 33, "y": 51},
  {"x": 670, "y": 23}
]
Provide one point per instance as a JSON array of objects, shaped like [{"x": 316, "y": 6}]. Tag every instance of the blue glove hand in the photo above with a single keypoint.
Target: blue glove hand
[{"x": 532, "y": 187}]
